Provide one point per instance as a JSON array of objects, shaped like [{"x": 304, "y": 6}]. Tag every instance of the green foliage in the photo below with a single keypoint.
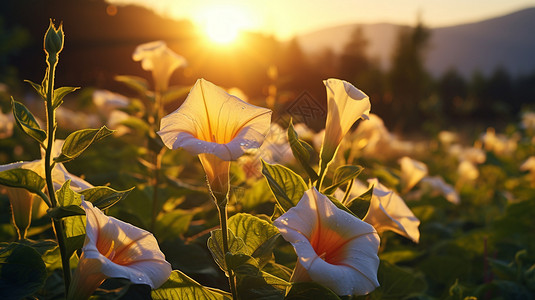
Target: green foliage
[
  {"x": 104, "y": 197},
  {"x": 78, "y": 141},
  {"x": 310, "y": 290},
  {"x": 60, "y": 93},
  {"x": 342, "y": 175},
  {"x": 69, "y": 203},
  {"x": 180, "y": 286},
  {"x": 285, "y": 184},
  {"x": 27, "y": 122},
  {"x": 22, "y": 271},
  {"x": 23, "y": 178},
  {"x": 258, "y": 236},
  {"x": 301, "y": 151}
]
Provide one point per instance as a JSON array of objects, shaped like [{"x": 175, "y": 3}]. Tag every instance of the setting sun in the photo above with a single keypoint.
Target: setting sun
[{"x": 222, "y": 24}]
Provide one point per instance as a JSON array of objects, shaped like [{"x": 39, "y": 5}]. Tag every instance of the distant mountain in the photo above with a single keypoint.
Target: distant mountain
[{"x": 507, "y": 41}]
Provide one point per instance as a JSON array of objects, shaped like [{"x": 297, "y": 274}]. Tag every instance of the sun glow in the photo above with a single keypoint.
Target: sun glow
[{"x": 223, "y": 24}]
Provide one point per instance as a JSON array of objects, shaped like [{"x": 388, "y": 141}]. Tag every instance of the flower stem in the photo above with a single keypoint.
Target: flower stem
[
  {"x": 157, "y": 160},
  {"x": 348, "y": 191},
  {"x": 51, "y": 135},
  {"x": 319, "y": 182},
  {"x": 222, "y": 208}
]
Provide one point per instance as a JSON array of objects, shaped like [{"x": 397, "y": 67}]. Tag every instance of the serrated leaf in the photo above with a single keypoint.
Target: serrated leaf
[
  {"x": 78, "y": 141},
  {"x": 61, "y": 92},
  {"x": 136, "y": 83},
  {"x": 258, "y": 235},
  {"x": 301, "y": 151},
  {"x": 22, "y": 178},
  {"x": 104, "y": 197},
  {"x": 215, "y": 245},
  {"x": 342, "y": 175},
  {"x": 38, "y": 88},
  {"x": 180, "y": 286},
  {"x": 285, "y": 184},
  {"x": 22, "y": 271},
  {"x": 310, "y": 290},
  {"x": 27, "y": 122}
]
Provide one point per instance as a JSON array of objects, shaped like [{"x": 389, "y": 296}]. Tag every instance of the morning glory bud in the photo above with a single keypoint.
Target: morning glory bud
[{"x": 53, "y": 41}]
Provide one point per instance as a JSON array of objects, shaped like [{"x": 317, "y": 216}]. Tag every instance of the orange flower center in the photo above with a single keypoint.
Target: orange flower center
[{"x": 328, "y": 244}]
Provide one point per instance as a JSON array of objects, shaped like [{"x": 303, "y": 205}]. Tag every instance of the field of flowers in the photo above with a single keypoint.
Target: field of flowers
[{"x": 270, "y": 209}]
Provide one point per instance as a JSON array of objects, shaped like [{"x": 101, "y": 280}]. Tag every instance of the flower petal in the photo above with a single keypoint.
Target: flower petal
[
  {"x": 212, "y": 121},
  {"x": 388, "y": 211},
  {"x": 335, "y": 248},
  {"x": 345, "y": 105},
  {"x": 124, "y": 250}
]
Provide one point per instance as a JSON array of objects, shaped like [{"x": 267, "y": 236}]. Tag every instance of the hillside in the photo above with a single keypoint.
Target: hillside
[{"x": 503, "y": 41}]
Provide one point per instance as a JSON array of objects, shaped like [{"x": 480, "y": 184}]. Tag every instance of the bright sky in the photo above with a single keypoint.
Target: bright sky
[{"x": 286, "y": 18}]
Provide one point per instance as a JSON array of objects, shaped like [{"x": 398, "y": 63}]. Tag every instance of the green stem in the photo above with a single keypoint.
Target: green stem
[
  {"x": 222, "y": 208},
  {"x": 348, "y": 191},
  {"x": 323, "y": 168},
  {"x": 157, "y": 161},
  {"x": 51, "y": 135}
]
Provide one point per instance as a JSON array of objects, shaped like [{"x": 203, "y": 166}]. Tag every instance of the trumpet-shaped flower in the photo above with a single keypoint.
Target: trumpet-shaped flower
[
  {"x": 115, "y": 249},
  {"x": 412, "y": 171},
  {"x": 22, "y": 201},
  {"x": 345, "y": 105},
  {"x": 218, "y": 127},
  {"x": 160, "y": 60},
  {"x": 333, "y": 247},
  {"x": 389, "y": 212},
  {"x": 436, "y": 184}
]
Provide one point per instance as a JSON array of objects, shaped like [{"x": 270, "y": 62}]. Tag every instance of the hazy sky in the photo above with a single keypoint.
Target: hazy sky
[{"x": 285, "y": 18}]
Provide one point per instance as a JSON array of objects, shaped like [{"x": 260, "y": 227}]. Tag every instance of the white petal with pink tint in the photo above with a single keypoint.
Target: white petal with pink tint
[
  {"x": 334, "y": 248},
  {"x": 388, "y": 211}
]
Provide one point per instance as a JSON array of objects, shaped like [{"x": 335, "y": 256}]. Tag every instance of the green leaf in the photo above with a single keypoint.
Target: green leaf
[
  {"x": 258, "y": 235},
  {"x": 301, "y": 151},
  {"x": 360, "y": 205},
  {"x": 60, "y": 212},
  {"x": 342, "y": 175},
  {"x": 340, "y": 205},
  {"x": 397, "y": 282},
  {"x": 173, "y": 224},
  {"x": 253, "y": 283},
  {"x": 286, "y": 185},
  {"x": 59, "y": 93},
  {"x": 66, "y": 196},
  {"x": 138, "y": 84},
  {"x": 78, "y": 141},
  {"x": 180, "y": 286},
  {"x": 215, "y": 245},
  {"x": 104, "y": 197},
  {"x": 310, "y": 290},
  {"x": 136, "y": 124},
  {"x": 23, "y": 178},
  {"x": 27, "y": 122},
  {"x": 38, "y": 88},
  {"x": 74, "y": 231},
  {"x": 22, "y": 271}
]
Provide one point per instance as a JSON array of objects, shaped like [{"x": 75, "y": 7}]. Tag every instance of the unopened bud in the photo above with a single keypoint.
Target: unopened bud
[{"x": 53, "y": 40}]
